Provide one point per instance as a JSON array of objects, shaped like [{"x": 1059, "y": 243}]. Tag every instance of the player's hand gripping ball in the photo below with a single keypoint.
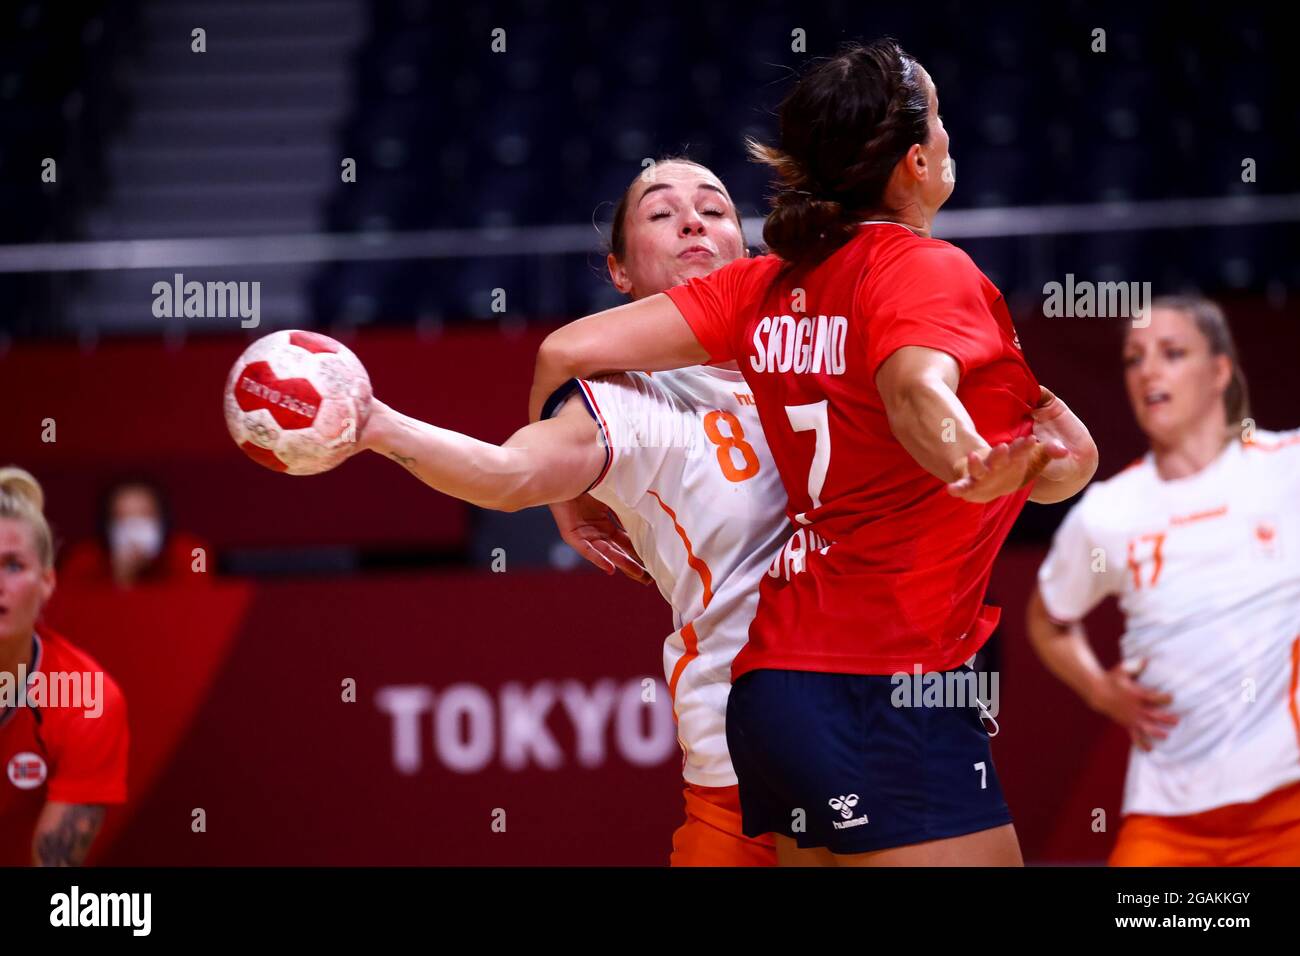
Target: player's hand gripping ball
[{"x": 297, "y": 401}]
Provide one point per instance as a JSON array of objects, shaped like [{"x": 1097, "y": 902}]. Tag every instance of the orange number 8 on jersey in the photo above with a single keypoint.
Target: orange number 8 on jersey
[{"x": 725, "y": 443}]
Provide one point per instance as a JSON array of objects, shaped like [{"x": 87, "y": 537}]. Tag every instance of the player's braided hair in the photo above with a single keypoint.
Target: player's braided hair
[
  {"x": 843, "y": 129},
  {"x": 21, "y": 498}
]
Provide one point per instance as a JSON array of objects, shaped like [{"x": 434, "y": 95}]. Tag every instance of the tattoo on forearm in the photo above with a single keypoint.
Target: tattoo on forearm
[
  {"x": 69, "y": 841},
  {"x": 405, "y": 461}
]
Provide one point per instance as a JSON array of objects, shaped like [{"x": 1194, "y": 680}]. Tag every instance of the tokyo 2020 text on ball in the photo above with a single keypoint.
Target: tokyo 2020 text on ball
[{"x": 295, "y": 402}]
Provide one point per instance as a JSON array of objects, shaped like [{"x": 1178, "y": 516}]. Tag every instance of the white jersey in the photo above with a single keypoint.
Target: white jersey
[
  {"x": 690, "y": 476},
  {"x": 1207, "y": 571}
]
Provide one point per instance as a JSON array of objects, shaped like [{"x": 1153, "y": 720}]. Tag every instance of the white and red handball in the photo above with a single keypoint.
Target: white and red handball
[{"x": 296, "y": 402}]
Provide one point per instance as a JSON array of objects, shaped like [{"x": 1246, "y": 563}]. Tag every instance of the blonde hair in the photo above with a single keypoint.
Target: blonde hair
[{"x": 21, "y": 498}]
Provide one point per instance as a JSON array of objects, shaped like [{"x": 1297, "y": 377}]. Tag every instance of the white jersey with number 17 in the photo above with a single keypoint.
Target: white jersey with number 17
[
  {"x": 1207, "y": 572},
  {"x": 689, "y": 474}
]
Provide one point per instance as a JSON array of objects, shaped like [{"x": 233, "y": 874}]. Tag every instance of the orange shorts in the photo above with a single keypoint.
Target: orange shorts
[
  {"x": 1263, "y": 833},
  {"x": 711, "y": 834}
]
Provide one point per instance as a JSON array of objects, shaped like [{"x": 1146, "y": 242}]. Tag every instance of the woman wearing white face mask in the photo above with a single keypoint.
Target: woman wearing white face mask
[{"x": 136, "y": 544}]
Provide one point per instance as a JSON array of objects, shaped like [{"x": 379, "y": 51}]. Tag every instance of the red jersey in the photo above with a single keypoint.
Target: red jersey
[
  {"x": 51, "y": 751},
  {"x": 888, "y": 570}
]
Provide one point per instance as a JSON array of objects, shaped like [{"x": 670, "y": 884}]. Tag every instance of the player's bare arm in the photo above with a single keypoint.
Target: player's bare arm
[
  {"x": 648, "y": 335},
  {"x": 65, "y": 833},
  {"x": 1064, "y": 649},
  {"x": 545, "y": 462},
  {"x": 918, "y": 386},
  {"x": 919, "y": 389}
]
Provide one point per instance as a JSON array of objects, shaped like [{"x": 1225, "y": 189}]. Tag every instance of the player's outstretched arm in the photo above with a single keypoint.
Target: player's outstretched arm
[
  {"x": 545, "y": 462},
  {"x": 648, "y": 335}
]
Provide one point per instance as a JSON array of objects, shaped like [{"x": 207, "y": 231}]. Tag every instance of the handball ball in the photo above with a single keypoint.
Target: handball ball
[{"x": 296, "y": 401}]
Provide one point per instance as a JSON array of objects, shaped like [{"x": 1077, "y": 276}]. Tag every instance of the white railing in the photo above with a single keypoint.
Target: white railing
[{"x": 571, "y": 239}]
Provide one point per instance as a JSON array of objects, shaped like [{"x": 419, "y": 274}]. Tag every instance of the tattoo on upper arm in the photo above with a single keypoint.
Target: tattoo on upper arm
[{"x": 69, "y": 840}]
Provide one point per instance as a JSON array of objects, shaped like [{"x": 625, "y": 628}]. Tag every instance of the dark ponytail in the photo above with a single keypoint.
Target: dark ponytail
[{"x": 843, "y": 129}]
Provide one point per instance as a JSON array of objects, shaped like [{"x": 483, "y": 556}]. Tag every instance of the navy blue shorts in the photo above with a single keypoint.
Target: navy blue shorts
[{"x": 833, "y": 761}]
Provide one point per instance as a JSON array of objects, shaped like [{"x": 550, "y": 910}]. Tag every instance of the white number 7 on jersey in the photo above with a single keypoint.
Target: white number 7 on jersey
[{"x": 813, "y": 418}]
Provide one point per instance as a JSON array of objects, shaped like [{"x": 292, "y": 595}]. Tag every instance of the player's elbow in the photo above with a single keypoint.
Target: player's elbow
[
  {"x": 557, "y": 356},
  {"x": 498, "y": 499},
  {"x": 506, "y": 500},
  {"x": 1040, "y": 625},
  {"x": 1037, "y": 624},
  {"x": 1035, "y": 614},
  {"x": 509, "y": 480}
]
